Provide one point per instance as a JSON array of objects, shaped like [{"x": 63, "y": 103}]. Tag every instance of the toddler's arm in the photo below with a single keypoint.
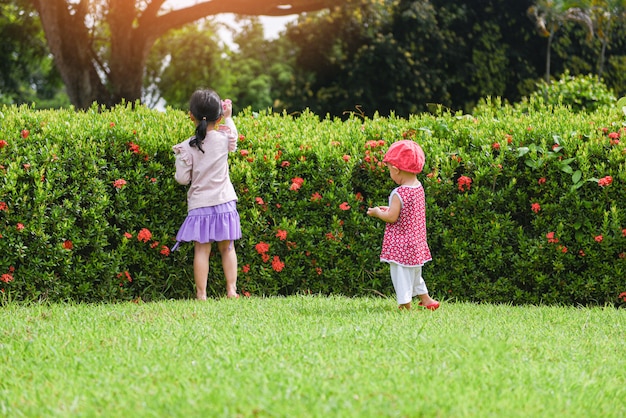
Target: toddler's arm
[{"x": 388, "y": 214}]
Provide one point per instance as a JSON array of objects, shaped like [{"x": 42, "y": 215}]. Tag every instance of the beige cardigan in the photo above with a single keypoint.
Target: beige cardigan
[{"x": 207, "y": 172}]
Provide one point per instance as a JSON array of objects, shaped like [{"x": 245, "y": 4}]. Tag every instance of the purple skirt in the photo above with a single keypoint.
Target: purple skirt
[{"x": 210, "y": 224}]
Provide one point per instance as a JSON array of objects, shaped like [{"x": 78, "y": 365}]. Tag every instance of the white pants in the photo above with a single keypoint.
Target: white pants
[{"x": 408, "y": 282}]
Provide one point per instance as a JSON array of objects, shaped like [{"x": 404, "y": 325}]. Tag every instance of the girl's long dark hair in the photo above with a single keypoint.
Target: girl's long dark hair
[{"x": 206, "y": 106}]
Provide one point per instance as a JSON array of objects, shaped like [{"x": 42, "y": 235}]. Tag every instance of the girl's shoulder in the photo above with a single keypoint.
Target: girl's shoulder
[{"x": 182, "y": 146}]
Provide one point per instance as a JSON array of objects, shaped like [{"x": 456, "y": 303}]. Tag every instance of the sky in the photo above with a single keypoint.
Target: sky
[{"x": 272, "y": 25}]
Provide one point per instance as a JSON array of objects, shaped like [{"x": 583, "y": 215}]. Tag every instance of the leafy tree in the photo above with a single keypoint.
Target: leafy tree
[
  {"x": 27, "y": 74},
  {"x": 550, "y": 15},
  {"x": 402, "y": 55},
  {"x": 253, "y": 73},
  {"x": 101, "y": 47},
  {"x": 183, "y": 60},
  {"x": 262, "y": 68},
  {"x": 606, "y": 15}
]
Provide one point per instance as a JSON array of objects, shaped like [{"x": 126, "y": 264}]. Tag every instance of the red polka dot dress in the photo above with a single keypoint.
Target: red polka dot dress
[{"x": 404, "y": 241}]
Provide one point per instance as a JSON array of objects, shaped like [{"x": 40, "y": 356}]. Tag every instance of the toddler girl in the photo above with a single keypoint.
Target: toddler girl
[{"x": 404, "y": 243}]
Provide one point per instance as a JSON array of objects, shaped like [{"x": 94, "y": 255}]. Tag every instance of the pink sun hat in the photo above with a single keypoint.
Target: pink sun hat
[{"x": 406, "y": 155}]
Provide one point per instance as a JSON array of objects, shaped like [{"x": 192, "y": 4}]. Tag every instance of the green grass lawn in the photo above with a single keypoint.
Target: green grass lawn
[{"x": 311, "y": 357}]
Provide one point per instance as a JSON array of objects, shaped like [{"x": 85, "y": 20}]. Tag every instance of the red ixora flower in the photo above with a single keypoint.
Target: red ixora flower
[
  {"x": 25, "y": 133},
  {"x": 346, "y": 157},
  {"x": 3, "y": 206},
  {"x": 605, "y": 181},
  {"x": 246, "y": 268},
  {"x": 465, "y": 183},
  {"x": 128, "y": 235},
  {"x": 316, "y": 197},
  {"x": 6, "y": 277},
  {"x": 296, "y": 183},
  {"x": 119, "y": 183},
  {"x": 344, "y": 206},
  {"x": 144, "y": 235},
  {"x": 542, "y": 180},
  {"x": 262, "y": 247},
  {"x": 624, "y": 232},
  {"x": 277, "y": 265},
  {"x": 19, "y": 226},
  {"x": 598, "y": 238},
  {"x": 125, "y": 275},
  {"x": 165, "y": 251},
  {"x": 3, "y": 143},
  {"x": 622, "y": 296},
  {"x": 134, "y": 148},
  {"x": 281, "y": 234},
  {"x": 551, "y": 238},
  {"x": 495, "y": 146},
  {"x": 259, "y": 201},
  {"x": 67, "y": 244},
  {"x": 535, "y": 207}
]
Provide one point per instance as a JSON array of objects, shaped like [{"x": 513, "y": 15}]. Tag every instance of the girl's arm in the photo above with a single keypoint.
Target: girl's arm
[
  {"x": 233, "y": 134},
  {"x": 388, "y": 214},
  {"x": 183, "y": 166},
  {"x": 227, "y": 107}
]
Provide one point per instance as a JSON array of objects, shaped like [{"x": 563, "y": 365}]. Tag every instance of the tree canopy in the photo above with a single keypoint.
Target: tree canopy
[
  {"x": 366, "y": 56},
  {"x": 101, "y": 47}
]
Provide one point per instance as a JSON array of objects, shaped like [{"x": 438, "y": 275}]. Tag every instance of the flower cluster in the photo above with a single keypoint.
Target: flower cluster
[
  {"x": 535, "y": 207},
  {"x": 296, "y": 183},
  {"x": 262, "y": 248},
  {"x": 552, "y": 239},
  {"x": 374, "y": 155},
  {"x": 125, "y": 276},
  {"x": 144, "y": 235},
  {"x": 277, "y": 265},
  {"x": 119, "y": 183},
  {"x": 464, "y": 183},
  {"x": 135, "y": 149},
  {"x": 605, "y": 181}
]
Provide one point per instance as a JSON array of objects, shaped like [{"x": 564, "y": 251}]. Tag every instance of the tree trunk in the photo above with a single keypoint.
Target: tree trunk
[{"x": 69, "y": 42}]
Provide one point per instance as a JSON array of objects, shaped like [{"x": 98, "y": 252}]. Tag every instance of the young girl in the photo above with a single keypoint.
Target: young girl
[
  {"x": 211, "y": 199},
  {"x": 404, "y": 243}
]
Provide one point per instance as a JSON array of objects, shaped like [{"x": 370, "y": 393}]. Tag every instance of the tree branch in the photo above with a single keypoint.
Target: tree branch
[{"x": 180, "y": 17}]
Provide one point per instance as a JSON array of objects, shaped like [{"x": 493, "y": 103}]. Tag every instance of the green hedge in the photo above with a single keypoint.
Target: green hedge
[{"x": 525, "y": 230}]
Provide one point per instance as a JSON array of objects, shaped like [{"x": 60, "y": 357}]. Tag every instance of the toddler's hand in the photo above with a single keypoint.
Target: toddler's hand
[
  {"x": 227, "y": 107},
  {"x": 373, "y": 211}
]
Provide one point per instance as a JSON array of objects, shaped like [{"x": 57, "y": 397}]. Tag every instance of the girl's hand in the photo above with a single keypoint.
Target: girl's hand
[{"x": 227, "y": 108}]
